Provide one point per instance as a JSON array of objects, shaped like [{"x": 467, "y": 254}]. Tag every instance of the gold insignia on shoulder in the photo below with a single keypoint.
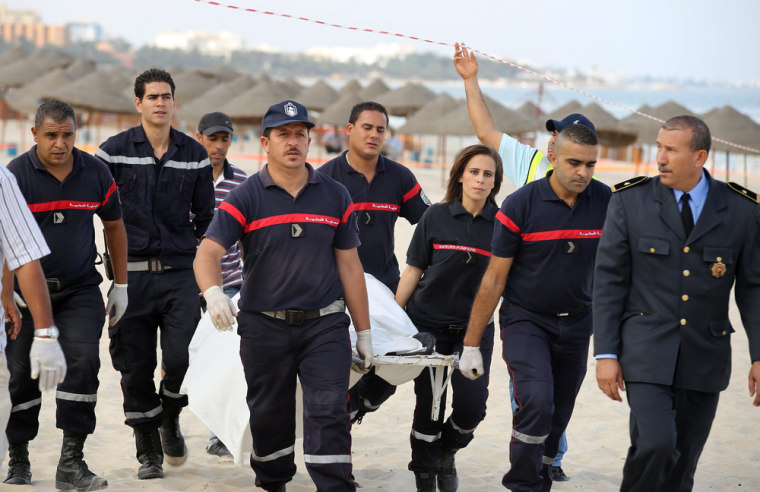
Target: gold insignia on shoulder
[
  {"x": 630, "y": 182},
  {"x": 743, "y": 191}
]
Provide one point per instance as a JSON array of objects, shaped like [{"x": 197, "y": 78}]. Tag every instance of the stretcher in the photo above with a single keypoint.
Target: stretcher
[{"x": 216, "y": 387}]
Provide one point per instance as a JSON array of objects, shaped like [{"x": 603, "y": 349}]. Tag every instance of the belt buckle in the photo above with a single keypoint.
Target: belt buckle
[
  {"x": 563, "y": 315},
  {"x": 294, "y": 317},
  {"x": 155, "y": 266},
  {"x": 53, "y": 284}
]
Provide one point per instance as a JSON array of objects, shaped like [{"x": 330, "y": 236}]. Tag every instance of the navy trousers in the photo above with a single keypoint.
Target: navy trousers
[
  {"x": 546, "y": 356},
  {"x": 79, "y": 314},
  {"x": 169, "y": 301},
  {"x": 431, "y": 437},
  {"x": 318, "y": 353},
  {"x": 669, "y": 427}
]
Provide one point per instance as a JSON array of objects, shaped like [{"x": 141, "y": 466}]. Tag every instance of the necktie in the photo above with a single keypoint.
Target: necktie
[{"x": 686, "y": 217}]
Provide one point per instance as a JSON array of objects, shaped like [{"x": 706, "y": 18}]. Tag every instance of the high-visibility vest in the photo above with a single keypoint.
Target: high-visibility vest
[{"x": 539, "y": 167}]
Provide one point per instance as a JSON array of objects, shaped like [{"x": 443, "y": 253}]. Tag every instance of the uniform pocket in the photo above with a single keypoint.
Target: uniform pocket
[
  {"x": 720, "y": 328},
  {"x": 653, "y": 246}
]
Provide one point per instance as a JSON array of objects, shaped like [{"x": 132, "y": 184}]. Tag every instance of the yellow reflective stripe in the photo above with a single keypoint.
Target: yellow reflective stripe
[{"x": 536, "y": 169}]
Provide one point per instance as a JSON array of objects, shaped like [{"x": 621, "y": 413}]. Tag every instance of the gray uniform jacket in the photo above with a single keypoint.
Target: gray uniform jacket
[{"x": 661, "y": 300}]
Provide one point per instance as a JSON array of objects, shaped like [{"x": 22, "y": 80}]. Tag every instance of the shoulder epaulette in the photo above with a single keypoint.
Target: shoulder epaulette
[
  {"x": 743, "y": 191},
  {"x": 630, "y": 182}
]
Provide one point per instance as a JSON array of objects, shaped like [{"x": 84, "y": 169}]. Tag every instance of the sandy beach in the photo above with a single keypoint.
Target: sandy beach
[{"x": 597, "y": 434}]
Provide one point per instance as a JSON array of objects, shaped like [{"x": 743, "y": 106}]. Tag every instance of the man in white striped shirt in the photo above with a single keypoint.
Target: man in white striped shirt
[{"x": 21, "y": 247}]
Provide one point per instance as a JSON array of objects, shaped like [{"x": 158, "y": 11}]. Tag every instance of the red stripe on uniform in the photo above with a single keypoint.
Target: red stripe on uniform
[
  {"x": 410, "y": 194},
  {"x": 459, "y": 247},
  {"x": 382, "y": 207},
  {"x": 348, "y": 213},
  {"x": 110, "y": 192},
  {"x": 507, "y": 221},
  {"x": 63, "y": 205},
  {"x": 292, "y": 218},
  {"x": 568, "y": 234},
  {"x": 233, "y": 211}
]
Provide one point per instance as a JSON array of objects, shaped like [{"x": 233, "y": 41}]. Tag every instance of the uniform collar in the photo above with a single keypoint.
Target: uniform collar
[
  {"x": 227, "y": 171},
  {"x": 141, "y": 137},
  {"x": 489, "y": 210},
  {"x": 378, "y": 169},
  {"x": 37, "y": 164},
  {"x": 267, "y": 181}
]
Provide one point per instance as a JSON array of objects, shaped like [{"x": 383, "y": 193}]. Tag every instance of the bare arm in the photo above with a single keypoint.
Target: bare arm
[
  {"x": 482, "y": 121},
  {"x": 116, "y": 239},
  {"x": 491, "y": 288},
  {"x": 351, "y": 276},
  {"x": 410, "y": 277},
  {"x": 208, "y": 264},
  {"x": 31, "y": 279},
  {"x": 12, "y": 314}
]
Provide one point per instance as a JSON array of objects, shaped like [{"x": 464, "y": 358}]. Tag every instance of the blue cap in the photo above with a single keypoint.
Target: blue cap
[
  {"x": 571, "y": 119},
  {"x": 284, "y": 113}
]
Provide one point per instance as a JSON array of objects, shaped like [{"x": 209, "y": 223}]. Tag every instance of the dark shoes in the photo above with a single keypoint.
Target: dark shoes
[
  {"x": 72, "y": 471},
  {"x": 149, "y": 454},
  {"x": 173, "y": 443},
  {"x": 425, "y": 481},
  {"x": 19, "y": 468},
  {"x": 275, "y": 488},
  {"x": 216, "y": 447},
  {"x": 447, "y": 473},
  {"x": 558, "y": 475}
]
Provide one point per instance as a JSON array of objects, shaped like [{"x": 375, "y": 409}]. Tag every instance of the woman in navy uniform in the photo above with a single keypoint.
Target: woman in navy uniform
[{"x": 446, "y": 259}]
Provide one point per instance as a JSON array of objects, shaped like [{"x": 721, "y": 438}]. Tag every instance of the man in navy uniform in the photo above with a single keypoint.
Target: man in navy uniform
[
  {"x": 163, "y": 176},
  {"x": 299, "y": 237},
  {"x": 545, "y": 242},
  {"x": 672, "y": 249},
  {"x": 65, "y": 188},
  {"x": 382, "y": 190}
]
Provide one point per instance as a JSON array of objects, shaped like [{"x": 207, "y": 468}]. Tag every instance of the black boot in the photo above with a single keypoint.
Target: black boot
[
  {"x": 149, "y": 454},
  {"x": 19, "y": 469},
  {"x": 447, "y": 472},
  {"x": 275, "y": 488},
  {"x": 425, "y": 481},
  {"x": 72, "y": 471},
  {"x": 171, "y": 437}
]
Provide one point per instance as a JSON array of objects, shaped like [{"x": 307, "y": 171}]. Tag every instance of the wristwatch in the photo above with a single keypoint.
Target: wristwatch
[{"x": 51, "y": 332}]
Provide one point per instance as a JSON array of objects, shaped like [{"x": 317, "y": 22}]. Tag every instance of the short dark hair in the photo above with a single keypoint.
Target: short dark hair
[
  {"x": 152, "y": 75},
  {"x": 57, "y": 111},
  {"x": 454, "y": 187},
  {"x": 366, "y": 106},
  {"x": 577, "y": 133},
  {"x": 700, "y": 134}
]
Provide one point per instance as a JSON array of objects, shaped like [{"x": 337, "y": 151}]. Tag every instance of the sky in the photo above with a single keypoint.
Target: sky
[{"x": 685, "y": 39}]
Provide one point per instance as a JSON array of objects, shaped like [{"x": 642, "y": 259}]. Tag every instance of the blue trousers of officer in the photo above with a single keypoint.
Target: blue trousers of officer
[
  {"x": 274, "y": 354},
  {"x": 168, "y": 300},
  {"x": 669, "y": 427},
  {"x": 546, "y": 356},
  {"x": 429, "y": 438},
  {"x": 79, "y": 314}
]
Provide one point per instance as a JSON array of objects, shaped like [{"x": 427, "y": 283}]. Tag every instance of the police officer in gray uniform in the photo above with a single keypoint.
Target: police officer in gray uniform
[{"x": 672, "y": 248}]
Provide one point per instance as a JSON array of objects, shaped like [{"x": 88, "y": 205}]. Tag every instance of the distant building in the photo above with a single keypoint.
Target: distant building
[
  {"x": 16, "y": 25},
  {"x": 221, "y": 43},
  {"x": 82, "y": 31}
]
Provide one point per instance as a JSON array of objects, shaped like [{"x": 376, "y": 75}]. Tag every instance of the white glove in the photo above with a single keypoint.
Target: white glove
[
  {"x": 364, "y": 349},
  {"x": 471, "y": 362},
  {"x": 48, "y": 362},
  {"x": 19, "y": 300},
  {"x": 117, "y": 303},
  {"x": 221, "y": 308}
]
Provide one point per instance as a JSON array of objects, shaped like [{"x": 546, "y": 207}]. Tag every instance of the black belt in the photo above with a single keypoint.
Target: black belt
[
  {"x": 57, "y": 285},
  {"x": 298, "y": 316},
  {"x": 577, "y": 312}
]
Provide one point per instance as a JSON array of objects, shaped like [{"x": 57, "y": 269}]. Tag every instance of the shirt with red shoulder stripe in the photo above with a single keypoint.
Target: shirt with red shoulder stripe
[
  {"x": 288, "y": 244},
  {"x": 453, "y": 249},
  {"x": 232, "y": 272},
  {"x": 393, "y": 192},
  {"x": 553, "y": 246},
  {"x": 64, "y": 210}
]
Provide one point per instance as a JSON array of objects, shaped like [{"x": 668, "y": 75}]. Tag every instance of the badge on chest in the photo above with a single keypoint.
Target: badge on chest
[
  {"x": 297, "y": 230},
  {"x": 59, "y": 217},
  {"x": 570, "y": 247}
]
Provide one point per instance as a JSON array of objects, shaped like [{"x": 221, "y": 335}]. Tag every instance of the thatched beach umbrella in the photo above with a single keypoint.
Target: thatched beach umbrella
[
  {"x": 421, "y": 122},
  {"x": 26, "y": 99},
  {"x": 250, "y": 106},
  {"x": 376, "y": 88},
  {"x": 729, "y": 124},
  {"x": 608, "y": 130},
  {"x": 80, "y": 67},
  {"x": 190, "y": 85},
  {"x": 407, "y": 99},
  {"x": 339, "y": 111},
  {"x": 96, "y": 91},
  {"x": 318, "y": 96},
  {"x": 507, "y": 120},
  {"x": 352, "y": 85},
  {"x": 20, "y": 72},
  {"x": 292, "y": 85},
  {"x": 213, "y": 99},
  {"x": 564, "y": 110},
  {"x": 533, "y": 114},
  {"x": 12, "y": 54},
  {"x": 221, "y": 73}
]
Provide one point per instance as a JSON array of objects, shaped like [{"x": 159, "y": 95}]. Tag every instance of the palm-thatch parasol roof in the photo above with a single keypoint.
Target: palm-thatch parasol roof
[
  {"x": 250, "y": 106},
  {"x": 533, "y": 114},
  {"x": 564, "y": 110},
  {"x": 407, "y": 99},
  {"x": 20, "y": 72},
  {"x": 220, "y": 72},
  {"x": 352, "y": 85},
  {"x": 213, "y": 99},
  {"x": 507, "y": 120},
  {"x": 608, "y": 130},
  {"x": 340, "y": 110},
  {"x": 26, "y": 99},
  {"x": 421, "y": 122},
  {"x": 647, "y": 128},
  {"x": 97, "y": 91},
  {"x": 376, "y": 88},
  {"x": 318, "y": 96},
  {"x": 729, "y": 124},
  {"x": 190, "y": 85},
  {"x": 12, "y": 54}
]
